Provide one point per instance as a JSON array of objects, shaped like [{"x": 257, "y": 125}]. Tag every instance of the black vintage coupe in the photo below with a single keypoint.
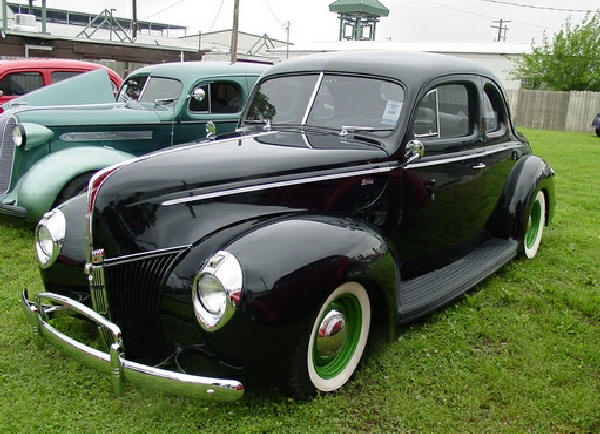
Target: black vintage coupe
[{"x": 360, "y": 188}]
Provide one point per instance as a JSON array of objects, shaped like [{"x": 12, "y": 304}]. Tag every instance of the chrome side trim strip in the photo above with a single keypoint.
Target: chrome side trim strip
[
  {"x": 276, "y": 184},
  {"x": 421, "y": 163},
  {"x": 106, "y": 135},
  {"x": 114, "y": 362}
]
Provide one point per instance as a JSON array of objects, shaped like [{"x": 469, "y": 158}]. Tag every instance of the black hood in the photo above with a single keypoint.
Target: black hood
[{"x": 164, "y": 184}]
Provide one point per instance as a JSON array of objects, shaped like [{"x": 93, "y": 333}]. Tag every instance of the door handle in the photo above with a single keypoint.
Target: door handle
[{"x": 479, "y": 166}]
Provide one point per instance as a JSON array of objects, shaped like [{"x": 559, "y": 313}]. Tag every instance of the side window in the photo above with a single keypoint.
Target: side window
[
  {"x": 19, "y": 83},
  {"x": 63, "y": 75},
  {"x": 445, "y": 112},
  {"x": 493, "y": 110},
  {"x": 221, "y": 97},
  {"x": 225, "y": 98}
]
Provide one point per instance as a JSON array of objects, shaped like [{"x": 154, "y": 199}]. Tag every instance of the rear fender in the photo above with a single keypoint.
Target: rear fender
[
  {"x": 38, "y": 188},
  {"x": 529, "y": 175}
]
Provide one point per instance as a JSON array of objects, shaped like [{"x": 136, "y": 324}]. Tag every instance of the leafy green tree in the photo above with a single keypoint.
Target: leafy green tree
[{"x": 568, "y": 61}]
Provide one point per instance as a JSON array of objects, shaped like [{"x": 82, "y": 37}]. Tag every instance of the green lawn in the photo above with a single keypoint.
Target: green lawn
[{"x": 520, "y": 352}]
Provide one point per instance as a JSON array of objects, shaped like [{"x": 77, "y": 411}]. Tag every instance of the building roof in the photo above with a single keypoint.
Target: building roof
[{"x": 355, "y": 7}]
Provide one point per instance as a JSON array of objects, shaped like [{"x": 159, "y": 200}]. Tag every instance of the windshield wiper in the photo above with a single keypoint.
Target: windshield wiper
[{"x": 354, "y": 128}]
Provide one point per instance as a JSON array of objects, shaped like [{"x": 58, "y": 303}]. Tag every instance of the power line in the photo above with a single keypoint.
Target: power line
[
  {"x": 546, "y": 8},
  {"x": 164, "y": 9},
  {"x": 281, "y": 23},
  {"x": 216, "y": 16},
  {"x": 483, "y": 15}
]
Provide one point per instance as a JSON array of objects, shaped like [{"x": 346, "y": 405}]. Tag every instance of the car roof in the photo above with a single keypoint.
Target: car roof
[
  {"x": 191, "y": 70},
  {"x": 410, "y": 67}
]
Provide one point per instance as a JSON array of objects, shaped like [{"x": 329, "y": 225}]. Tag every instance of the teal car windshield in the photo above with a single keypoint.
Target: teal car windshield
[
  {"x": 149, "y": 89},
  {"x": 339, "y": 101}
]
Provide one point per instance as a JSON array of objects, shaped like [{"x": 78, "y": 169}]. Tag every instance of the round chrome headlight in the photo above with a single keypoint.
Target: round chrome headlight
[
  {"x": 49, "y": 237},
  {"x": 217, "y": 290},
  {"x": 18, "y": 135}
]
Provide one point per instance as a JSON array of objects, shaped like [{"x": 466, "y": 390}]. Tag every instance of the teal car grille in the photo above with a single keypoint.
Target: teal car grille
[{"x": 7, "y": 150}]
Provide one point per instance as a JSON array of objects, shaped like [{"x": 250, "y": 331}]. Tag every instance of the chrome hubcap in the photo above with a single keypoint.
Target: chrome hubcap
[{"x": 331, "y": 335}]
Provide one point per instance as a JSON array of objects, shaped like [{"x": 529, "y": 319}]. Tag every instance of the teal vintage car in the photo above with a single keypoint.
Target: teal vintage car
[{"x": 49, "y": 152}]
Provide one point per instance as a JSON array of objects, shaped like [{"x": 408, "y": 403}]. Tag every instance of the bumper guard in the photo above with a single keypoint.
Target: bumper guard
[{"x": 113, "y": 363}]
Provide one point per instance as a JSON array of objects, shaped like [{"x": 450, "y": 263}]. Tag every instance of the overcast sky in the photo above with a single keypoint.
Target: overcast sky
[{"x": 420, "y": 20}]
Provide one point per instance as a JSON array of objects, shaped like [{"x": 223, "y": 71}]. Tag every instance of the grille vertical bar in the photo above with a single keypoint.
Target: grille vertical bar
[
  {"x": 7, "y": 151},
  {"x": 134, "y": 291}
]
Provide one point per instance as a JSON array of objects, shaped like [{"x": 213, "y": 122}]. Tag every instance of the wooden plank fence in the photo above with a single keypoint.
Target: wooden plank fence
[{"x": 550, "y": 110}]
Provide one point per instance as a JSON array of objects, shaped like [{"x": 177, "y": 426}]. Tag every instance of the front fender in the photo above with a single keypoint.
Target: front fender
[
  {"x": 529, "y": 175},
  {"x": 290, "y": 265},
  {"x": 38, "y": 188}
]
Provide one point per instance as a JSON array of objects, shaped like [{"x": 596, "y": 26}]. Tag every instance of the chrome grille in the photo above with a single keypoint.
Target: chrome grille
[
  {"x": 134, "y": 290},
  {"x": 7, "y": 150}
]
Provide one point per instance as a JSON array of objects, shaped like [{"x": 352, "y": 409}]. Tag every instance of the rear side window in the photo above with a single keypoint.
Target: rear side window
[
  {"x": 63, "y": 75},
  {"x": 19, "y": 83},
  {"x": 493, "y": 110}
]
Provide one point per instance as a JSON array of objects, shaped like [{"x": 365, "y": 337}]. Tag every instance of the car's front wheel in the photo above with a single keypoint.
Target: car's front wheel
[
  {"x": 535, "y": 226},
  {"x": 598, "y": 132},
  {"x": 330, "y": 351}
]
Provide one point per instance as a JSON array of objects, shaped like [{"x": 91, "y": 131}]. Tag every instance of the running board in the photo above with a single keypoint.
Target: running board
[{"x": 430, "y": 291}]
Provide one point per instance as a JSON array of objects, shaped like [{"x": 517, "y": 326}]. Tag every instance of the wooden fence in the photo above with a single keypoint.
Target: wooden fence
[{"x": 550, "y": 110}]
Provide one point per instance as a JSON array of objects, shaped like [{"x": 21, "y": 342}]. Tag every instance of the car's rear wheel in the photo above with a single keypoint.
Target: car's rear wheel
[
  {"x": 598, "y": 132},
  {"x": 73, "y": 188},
  {"x": 330, "y": 350},
  {"x": 535, "y": 226}
]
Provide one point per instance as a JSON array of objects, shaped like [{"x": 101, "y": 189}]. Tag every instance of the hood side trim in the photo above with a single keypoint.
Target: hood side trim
[{"x": 275, "y": 184}]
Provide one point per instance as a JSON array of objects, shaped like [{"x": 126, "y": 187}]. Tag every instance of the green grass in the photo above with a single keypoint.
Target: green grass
[{"x": 519, "y": 352}]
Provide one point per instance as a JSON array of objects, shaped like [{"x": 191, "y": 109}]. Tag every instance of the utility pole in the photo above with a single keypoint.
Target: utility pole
[
  {"x": 234, "y": 31},
  {"x": 502, "y": 29},
  {"x": 287, "y": 39},
  {"x": 134, "y": 23}
]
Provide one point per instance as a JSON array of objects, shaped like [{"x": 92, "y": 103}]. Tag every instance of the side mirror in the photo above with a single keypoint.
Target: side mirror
[
  {"x": 199, "y": 94},
  {"x": 211, "y": 129},
  {"x": 414, "y": 151}
]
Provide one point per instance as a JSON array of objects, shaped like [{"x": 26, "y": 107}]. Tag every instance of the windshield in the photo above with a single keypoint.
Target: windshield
[
  {"x": 149, "y": 89},
  {"x": 351, "y": 102}
]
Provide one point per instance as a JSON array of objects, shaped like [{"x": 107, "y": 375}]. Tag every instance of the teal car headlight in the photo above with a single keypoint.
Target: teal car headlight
[
  {"x": 30, "y": 135},
  {"x": 217, "y": 290},
  {"x": 49, "y": 237},
  {"x": 18, "y": 135}
]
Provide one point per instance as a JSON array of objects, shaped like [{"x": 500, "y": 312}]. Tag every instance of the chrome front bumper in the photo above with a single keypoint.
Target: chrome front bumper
[{"x": 113, "y": 363}]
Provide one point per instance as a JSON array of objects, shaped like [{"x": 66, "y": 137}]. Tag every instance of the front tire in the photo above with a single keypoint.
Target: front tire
[
  {"x": 73, "y": 188},
  {"x": 598, "y": 132},
  {"x": 535, "y": 226},
  {"x": 331, "y": 349}
]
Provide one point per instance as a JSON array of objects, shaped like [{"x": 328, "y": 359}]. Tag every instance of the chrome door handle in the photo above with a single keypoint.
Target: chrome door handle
[{"x": 479, "y": 166}]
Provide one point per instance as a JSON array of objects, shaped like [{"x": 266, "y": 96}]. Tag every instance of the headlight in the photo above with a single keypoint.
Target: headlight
[
  {"x": 217, "y": 290},
  {"x": 49, "y": 237},
  {"x": 18, "y": 135}
]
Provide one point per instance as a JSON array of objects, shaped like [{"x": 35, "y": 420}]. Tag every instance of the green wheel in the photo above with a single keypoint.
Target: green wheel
[
  {"x": 535, "y": 226},
  {"x": 336, "y": 341}
]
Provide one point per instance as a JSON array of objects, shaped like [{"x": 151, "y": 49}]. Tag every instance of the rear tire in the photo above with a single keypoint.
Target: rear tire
[
  {"x": 332, "y": 346},
  {"x": 536, "y": 219},
  {"x": 75, "y": 186}
]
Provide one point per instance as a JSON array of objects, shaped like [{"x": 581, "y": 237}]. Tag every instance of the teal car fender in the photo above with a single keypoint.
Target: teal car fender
[{"x": 39, "y": 187}]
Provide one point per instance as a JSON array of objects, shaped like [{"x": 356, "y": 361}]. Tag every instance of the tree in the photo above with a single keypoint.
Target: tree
[{"x": 570, "y": 61}]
